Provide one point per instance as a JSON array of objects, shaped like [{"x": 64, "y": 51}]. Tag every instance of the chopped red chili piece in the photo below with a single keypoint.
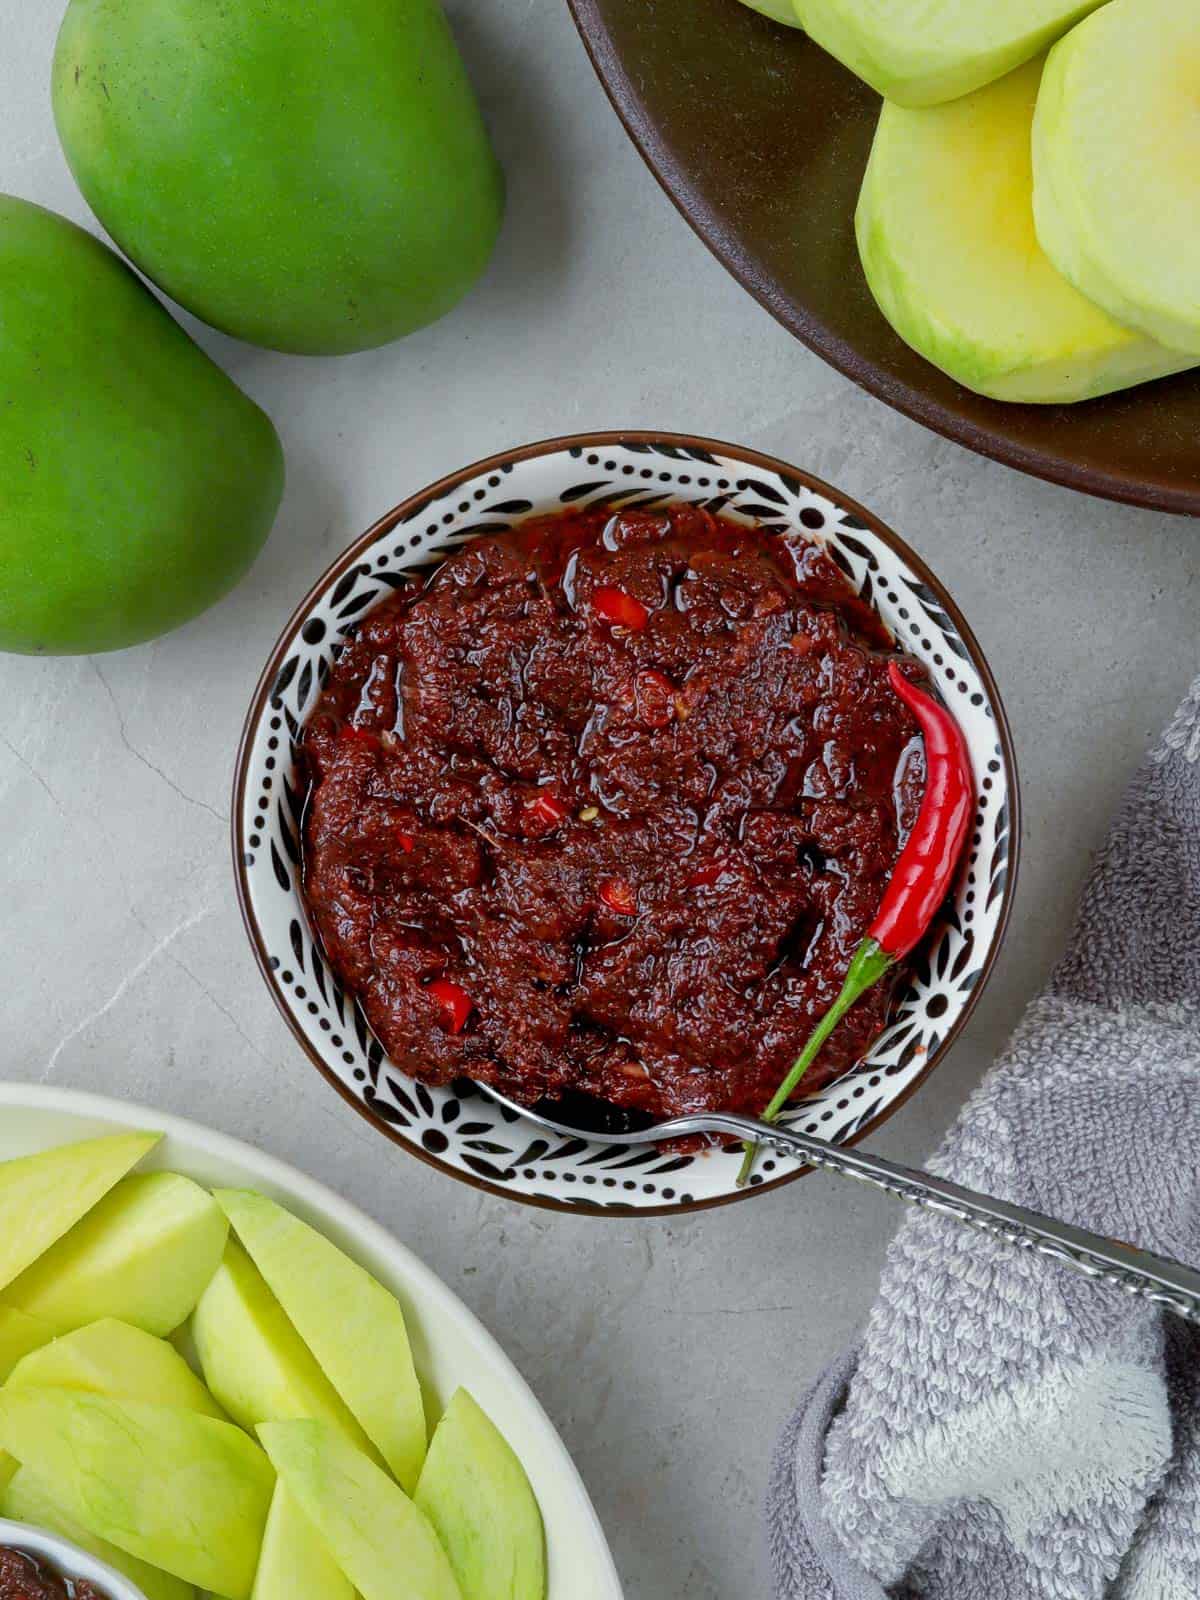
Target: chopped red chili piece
[
  {"x": 704, "y": 877},
  {"x": 454, "y": 1000},
  {"x": 655, "y": 696},
  {"x": 351, "y": 730},
  {"x": 405, "y": 841},
  {"x": 618, "y": 896},
  {"x": 620, "y": 609},
  {"x": 545, "y": 809}
]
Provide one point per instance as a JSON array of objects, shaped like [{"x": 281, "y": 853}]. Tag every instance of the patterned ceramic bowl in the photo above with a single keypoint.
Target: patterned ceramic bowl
[{"x": 459, "y": 1129}]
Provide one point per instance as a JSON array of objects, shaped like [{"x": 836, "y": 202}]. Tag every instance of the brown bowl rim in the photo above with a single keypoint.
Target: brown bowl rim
[
  {"x": 911, "y": 401},
  {"x": 581, "y": 442}
]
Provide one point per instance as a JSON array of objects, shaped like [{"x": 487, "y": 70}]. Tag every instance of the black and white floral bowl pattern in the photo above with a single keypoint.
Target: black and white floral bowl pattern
[{"x": 459, "y": 1129}]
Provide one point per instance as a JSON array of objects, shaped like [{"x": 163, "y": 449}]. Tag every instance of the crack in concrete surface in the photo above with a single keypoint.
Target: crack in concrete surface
[
  {"x": 23, "y": 761},
  {"x": 191, "y": 799},
  {"x": 224, "y": 1010},
  {"x": 122, "y": 988},
  {"x": 730, "y": 1311}
]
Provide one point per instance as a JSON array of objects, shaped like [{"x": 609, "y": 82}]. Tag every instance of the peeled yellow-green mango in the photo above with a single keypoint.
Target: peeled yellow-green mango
[
  {"x": 945, "y": 229},
  {"x": 925, "y": 52},
  {"x": 117, "y": 1359},
  {"x": 183, "y": 1492},
  {"x": 312, "y": 175},
  {"x": 43, "y": 1195},
  {"x": 378, "y": 1537},
  {"x": 479, "y": 1502},
  {"x": 143, "y": 1255},
  {"x": 351, "y": 1323},
  {"x": 295, "y": 1563},
  {"x": 1115, "y": 149},
  {"x": 137, "y": 483},
  {"x": 19, "y": 1334},
  {"x": 254, "y": 1361},
  {"x": 26, "y": 1499}
]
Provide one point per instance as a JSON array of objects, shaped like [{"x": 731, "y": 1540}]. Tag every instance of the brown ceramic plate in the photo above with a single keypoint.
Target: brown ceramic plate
[{"x": 760, "y": 138}]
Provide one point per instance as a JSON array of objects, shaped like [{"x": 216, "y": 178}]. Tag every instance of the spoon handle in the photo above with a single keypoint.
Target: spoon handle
[{"x": 1138, "y": 1272}]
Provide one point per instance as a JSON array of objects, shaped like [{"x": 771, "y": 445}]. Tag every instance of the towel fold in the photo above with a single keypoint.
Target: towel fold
[{"x": 1007, "y": 1430}]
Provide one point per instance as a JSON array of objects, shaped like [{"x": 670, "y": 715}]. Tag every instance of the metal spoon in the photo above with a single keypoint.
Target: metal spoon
[{"x": 1138, "y": 1272}]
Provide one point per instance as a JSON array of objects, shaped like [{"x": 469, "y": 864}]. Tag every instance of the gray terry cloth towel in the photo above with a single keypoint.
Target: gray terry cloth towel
[{"x": 1005, "y": 1428}]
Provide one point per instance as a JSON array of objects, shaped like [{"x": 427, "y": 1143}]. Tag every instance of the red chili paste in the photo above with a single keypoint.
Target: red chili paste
[
  {"x": 606, "y": 804},
  {"x": 22, "y": 1577}
]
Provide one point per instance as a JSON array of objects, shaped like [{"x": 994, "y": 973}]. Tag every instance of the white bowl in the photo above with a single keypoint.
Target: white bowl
[
  {"x": 450, "y": 1346},
  {"x": 68, "y": 1560},
  {"x": 457, "y": 1128}
]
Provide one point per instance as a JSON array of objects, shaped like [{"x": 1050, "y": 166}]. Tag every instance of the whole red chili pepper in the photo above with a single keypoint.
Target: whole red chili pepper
[{"x": 918, "y": 885}]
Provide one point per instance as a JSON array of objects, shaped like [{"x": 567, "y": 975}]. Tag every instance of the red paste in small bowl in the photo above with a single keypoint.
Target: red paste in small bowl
[
  {"x": 606, "y": 804},
  {"x": 26, "y": 1577}
]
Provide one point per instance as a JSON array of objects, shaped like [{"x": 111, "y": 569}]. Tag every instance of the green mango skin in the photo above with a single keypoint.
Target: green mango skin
[
  {"x": 137, "y": 482},
  {"x": 309, "y": 175}
]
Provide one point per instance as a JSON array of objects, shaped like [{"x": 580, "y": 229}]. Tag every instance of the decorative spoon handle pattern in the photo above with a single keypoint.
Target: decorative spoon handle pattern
[
  {"x": 1138, "y": 1272},
  {"x": 1124, "y": 1266}
]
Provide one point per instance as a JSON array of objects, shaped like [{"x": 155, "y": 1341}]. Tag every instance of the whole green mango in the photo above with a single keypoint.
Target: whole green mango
[
  {"x": 137, "y": 482},
  {"x": 310, "y": 175}
]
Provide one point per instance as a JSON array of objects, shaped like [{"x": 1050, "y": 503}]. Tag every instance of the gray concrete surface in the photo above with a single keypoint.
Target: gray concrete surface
[{"x": 666, "y": 1351}]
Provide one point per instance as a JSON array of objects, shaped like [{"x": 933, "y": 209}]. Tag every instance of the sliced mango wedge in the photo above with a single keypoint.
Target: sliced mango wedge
[
  {"x": 381, "y": 1541},
  {"x": 924, "y": 52},
  {"x": 183, "y": 1492},
  {"x": 1116, "y": 144},
  {"x": 351, "y": 1323},
  {"x": 27, "y": 1500},
  {"x": 117, "y": 1359},
  {"x": 19, "y": 1334},
  {"x": 296, "y": 1563},
  {"x": 43, "y": 1195},
  {"x": 946, "y": 235},
  {"x": 254, "y": 1361},
  {"x": 477, "y": 1498},
  {"x": 143, "y": 1254}
]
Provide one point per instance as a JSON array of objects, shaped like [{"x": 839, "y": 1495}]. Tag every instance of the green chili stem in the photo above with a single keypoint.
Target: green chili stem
[{"x": 870, "y": 963}]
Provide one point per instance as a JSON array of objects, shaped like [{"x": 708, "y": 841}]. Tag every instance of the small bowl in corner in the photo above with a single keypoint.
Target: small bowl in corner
[
  {"x": 457, "y": 1128},
  {"x": 60, "y": 1556}
]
